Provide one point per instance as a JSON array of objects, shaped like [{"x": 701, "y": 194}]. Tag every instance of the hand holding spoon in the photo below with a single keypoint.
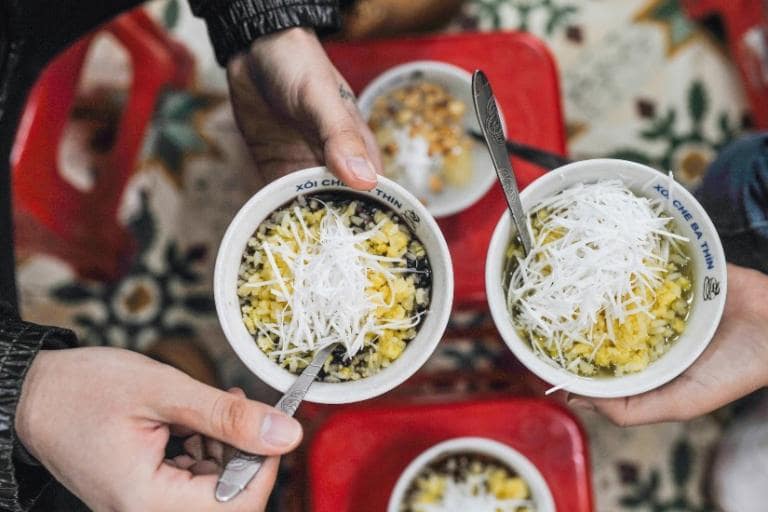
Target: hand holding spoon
[{"x": 243, "y": 467}]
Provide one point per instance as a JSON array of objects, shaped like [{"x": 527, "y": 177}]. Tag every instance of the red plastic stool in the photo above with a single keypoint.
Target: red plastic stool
[
  {"x": 746, "y": 27},
  {"x": 52, "y": 216}
]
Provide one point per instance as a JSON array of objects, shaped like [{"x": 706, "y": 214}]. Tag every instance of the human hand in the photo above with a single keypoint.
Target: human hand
[
  {"x": 295, "y": 110},
  {"x": 734, "y": 364},
  {"x": 99, "y": 420}
]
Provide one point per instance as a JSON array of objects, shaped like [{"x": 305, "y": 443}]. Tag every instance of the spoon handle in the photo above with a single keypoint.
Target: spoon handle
[
  {"x": 490, "y": 125},
  {"x": 243, "y": 467}
]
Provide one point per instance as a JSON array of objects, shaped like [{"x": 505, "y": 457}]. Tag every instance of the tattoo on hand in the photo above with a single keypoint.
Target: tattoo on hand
[{"x": 346, "y": 94}]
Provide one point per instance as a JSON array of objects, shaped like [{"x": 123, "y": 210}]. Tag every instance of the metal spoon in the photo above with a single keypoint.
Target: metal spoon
[
  {"x": 243, "y": 467},
  {"x": 490, "y": 124}
]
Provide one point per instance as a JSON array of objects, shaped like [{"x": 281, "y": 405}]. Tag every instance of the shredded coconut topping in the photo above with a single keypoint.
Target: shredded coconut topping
[
  {"x": 602, "y": 249},
  {"x": 326, "y": 292}
]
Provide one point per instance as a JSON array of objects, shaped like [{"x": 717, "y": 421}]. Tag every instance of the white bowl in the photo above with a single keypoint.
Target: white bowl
[
  {"x": 311, "y": 181},
  {"x": 705, "y": 312},
  {"x": 476, "y": 445},
  {"x": 458, "y": 82}
]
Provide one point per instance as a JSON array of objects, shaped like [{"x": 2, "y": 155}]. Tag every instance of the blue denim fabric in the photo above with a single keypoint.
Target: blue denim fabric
[{"x": 735, "y": 194}]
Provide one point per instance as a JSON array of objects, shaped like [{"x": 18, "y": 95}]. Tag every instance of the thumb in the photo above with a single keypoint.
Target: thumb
[
  {"x": 348, "y": 147},
  {"x": 245, "y": 424}
]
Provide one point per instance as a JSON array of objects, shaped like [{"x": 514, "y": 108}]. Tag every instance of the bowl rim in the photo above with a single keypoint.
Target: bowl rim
[
  {"x": 622, "y": 386},
  {"x": 381, "y": 84},
  {"x": 504, "y": 453},
  {"x": 241, "y": 228}
]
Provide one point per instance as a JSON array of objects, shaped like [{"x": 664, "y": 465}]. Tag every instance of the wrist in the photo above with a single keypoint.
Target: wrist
[
  {"x": 294, "y": 38},
  {"x": 234, "y": 26},
  {"x": 27, "y": 414}
]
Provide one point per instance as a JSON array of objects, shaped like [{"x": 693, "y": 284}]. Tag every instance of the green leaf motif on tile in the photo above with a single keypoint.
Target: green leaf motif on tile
[
  {"x": 631, "y": 501},
  {"x": 678, "y": 131},
  {"x": 632, "y": 155},
  {"x": 469, "y": 359},
  {"x": 661, "y": 128},
  {"x": 84, "y": 321},
  {"x": 667, "y": 9},
  {"x": 648, "y": 493},
  {"x": 143, "y": 305},
  {"x": 724, "y": 123},
  {"x": 171, "y": 14},
  {"x": 670, "y": 15},
  {"x": 698, "y": 102},
  {"x": 174, "y": 133},
  {"x": 73, "y": 293},
  {"x": 559, "y": 17},
  {"x": 682, "y": 458},
  {"x": 181, "y": 330},
  {"x": 557, "y": 13},
  {"x": 199, "y": 303},
  {"x": 142, "y": 225}
]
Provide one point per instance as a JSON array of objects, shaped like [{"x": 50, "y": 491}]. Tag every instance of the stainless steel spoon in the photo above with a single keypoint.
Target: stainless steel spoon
[
  {"x": 243, "y": 467},
  {"x": 490, "y": 124}
]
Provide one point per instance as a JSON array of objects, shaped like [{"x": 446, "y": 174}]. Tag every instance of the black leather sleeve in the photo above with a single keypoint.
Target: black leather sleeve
[
  {"x": 21, "y": 478},
  {"x": 234, "y": 24}
]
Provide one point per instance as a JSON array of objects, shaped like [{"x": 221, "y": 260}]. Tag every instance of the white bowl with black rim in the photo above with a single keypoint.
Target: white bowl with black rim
[
  {"x": 709, "y": 277},
  {"x": 458, "y": 83},
  {"x": 319, "y": 180},
  {"x": 493, "y": 450}
]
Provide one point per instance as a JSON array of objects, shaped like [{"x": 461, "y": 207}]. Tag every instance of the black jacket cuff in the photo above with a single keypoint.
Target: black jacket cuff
[
  {"x": 21, "y": 481},
  {"x": 234, "y": 25}
]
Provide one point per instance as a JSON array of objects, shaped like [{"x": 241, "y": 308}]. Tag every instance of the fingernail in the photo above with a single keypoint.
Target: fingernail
[
  {"x": 580, "y": 403},
  {"x": 361, "y": 168},
  {"x": 280, "y": 430}
]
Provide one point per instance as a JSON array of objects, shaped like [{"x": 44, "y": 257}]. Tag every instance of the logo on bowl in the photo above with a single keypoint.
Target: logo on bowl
[
  {"x": 693, "y": 224},
  {"x": 711, "y": 288},
  {"x": 392, "y": 199},
  {"x": 411, "y": 216},
  {"x": 325, "y": 182}
]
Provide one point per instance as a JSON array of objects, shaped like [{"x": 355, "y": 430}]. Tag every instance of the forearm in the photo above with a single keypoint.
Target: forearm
[{"x": 234, "y": 25}]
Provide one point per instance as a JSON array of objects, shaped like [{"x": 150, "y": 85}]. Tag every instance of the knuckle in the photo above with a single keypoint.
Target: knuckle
[
  {"x": 229, "y": 416},
  {"x": 343, "y": 132},
  {"x": 621, "y": 416},
  {"x": 620, "y": 421}
]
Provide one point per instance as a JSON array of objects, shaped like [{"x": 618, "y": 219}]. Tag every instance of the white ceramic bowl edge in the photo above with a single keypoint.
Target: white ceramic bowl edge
[
  {"x": 319, "y": 180},
  {"x": 476, "y": 445},
  {"x": 709, "y": 270},
  {"x": 458, "y": 82}
]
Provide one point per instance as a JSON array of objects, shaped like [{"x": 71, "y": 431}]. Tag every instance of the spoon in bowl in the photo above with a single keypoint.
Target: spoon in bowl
[
  {"x": 490, "y": 124},
  {"x": 241, "y": 469}
]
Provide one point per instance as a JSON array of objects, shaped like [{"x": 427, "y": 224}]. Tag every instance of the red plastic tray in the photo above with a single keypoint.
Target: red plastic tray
[
  {"x": 525, "y": 81},
  {"x": 358, "y": 454}
]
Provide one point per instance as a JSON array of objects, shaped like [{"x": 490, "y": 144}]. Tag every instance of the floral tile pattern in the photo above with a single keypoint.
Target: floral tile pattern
[
  {"x": 144, "y": 304},
  {"x": 686, "y": 151}
]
